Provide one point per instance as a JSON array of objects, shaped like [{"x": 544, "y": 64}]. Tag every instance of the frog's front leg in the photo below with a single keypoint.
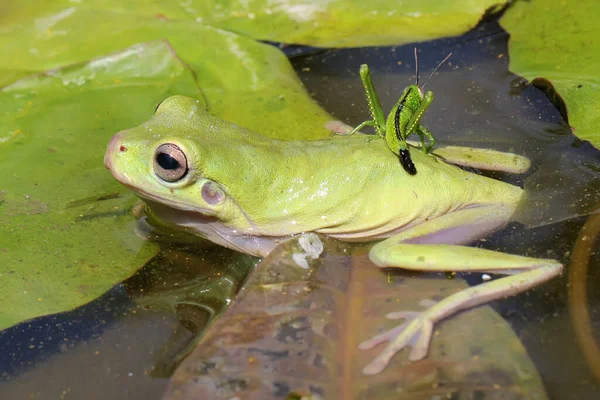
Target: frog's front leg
[{"x": 432, "y": 246}]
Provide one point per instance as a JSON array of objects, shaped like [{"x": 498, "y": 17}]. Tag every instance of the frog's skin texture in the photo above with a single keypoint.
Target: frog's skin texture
[{"x": 245, "y": 191}]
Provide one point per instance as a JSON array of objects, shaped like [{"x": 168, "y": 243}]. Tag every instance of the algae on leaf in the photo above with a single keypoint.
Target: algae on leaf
[{"x": 556, "y": 41}]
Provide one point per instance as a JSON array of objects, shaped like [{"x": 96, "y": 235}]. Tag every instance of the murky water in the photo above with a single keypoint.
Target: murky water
[{"x": 115, "y": 346}]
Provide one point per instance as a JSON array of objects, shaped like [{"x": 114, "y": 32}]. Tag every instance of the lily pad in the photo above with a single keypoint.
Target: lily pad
[
  {"x": 293, "y": 332},
  {"x": 558, "y": 53},
  {"x": 53, "y": 130},
  {"x": 243, "y": 81},
  {"x": 352, "y": 23},
  {"x": 320, "y": 23}
]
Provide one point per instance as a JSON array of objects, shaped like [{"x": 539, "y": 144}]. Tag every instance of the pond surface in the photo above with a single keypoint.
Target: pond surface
[{"x": 115, "y": 346}]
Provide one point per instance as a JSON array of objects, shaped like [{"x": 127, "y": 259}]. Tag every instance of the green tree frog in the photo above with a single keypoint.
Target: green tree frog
[{"x": 248, "y": 192}]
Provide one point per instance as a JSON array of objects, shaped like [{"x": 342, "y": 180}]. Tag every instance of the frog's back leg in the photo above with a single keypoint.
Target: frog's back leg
[
  {"x": 412, "y": 250},
  {"x": 488, "y": 159}
]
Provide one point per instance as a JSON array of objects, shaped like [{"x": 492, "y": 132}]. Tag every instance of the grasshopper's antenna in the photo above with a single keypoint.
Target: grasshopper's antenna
[
  {"x": 434, "y": 71},
  {"x": 417, "y": 66}
]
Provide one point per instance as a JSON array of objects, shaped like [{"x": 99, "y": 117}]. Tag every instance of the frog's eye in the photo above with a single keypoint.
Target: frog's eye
[{"x": 170, "y": 163}]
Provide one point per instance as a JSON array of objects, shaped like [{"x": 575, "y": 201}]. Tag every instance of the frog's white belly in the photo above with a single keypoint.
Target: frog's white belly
[
  {"x": 261, "y": 245},
  {"x": 211, "y": 228}
]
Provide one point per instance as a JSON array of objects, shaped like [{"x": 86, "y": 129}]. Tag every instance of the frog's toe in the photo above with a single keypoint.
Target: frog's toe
[
  {"x": 415, "y": 332},
  {"x": 386, "y": 336}
]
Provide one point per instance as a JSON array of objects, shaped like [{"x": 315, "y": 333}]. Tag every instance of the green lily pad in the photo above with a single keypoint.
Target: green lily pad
[
  {"x": 316, "y": 23},
  {"x": 352, "y": 23},
  {"x": 558, "y": 52},
  {"x": 53, "y": 129},
  {"x": 245, "y": 82}
]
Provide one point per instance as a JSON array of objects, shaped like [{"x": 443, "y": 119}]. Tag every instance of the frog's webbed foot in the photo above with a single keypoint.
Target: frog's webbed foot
[{"x": 415, "y": 332}]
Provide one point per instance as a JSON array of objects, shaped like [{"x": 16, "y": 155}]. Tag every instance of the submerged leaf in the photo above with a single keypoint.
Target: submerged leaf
[{"x": 294, "y": 332}]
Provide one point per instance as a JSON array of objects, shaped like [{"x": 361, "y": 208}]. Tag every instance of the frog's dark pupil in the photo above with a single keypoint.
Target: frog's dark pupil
[{"x": 167, "y": 162}]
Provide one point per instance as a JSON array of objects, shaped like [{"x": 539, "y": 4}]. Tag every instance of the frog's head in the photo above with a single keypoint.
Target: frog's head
[{"x": 169, "y": 162}]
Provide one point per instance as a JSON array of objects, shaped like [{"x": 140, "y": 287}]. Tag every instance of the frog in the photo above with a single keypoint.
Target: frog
[{"x": 249, "y": 192}]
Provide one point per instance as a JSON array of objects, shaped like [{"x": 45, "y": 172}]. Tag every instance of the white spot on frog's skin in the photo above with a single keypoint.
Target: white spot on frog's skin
[
  {"x": 321, "y": 192},
  {"x": 192, "y": 112}
]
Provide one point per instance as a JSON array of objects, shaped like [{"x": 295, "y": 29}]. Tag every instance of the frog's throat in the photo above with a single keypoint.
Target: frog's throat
[{"x": 211, "y": 228}]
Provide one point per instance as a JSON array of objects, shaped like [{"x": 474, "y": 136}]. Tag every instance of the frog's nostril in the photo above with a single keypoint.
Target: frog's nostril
[{"x": 114, "y": 144}]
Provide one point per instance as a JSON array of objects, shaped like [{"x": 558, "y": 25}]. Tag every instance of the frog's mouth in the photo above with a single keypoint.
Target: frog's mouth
[
  {"x": 180, "y": 206},
  {"x": 197, "y": 220},
  {"x": 213, "y": 229}
]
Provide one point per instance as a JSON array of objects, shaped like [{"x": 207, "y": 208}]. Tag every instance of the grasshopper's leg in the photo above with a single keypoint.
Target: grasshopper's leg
[
  {"x": 407, "y": 250},
  {"x": 415, "y": 119},
  {"x": 359, "y": 127},
  {"x": 424, "y": 133},
  {"x": 373, "y": 100}
]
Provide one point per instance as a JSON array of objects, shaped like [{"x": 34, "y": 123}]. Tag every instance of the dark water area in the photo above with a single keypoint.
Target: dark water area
[{"x": 479, "y": 102}]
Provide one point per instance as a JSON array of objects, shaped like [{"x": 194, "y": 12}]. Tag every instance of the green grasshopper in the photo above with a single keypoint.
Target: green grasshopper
[{"x": 404, "y": 118}]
